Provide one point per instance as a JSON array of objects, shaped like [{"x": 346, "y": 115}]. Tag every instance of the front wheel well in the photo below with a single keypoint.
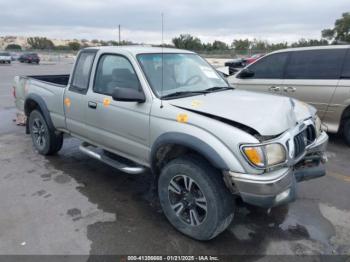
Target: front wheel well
[{"x": 167, "y": 152}]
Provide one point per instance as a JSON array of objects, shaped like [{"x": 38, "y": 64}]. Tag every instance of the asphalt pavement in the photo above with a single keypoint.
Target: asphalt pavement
[{"x": 71, "y": 204}]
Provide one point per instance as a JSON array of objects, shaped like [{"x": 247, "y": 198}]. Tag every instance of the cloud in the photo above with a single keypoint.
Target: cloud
[{"x": 283, "y": 20}]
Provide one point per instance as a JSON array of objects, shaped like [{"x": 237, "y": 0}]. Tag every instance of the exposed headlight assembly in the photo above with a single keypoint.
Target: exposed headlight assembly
[{"x": 264, "y": 156}]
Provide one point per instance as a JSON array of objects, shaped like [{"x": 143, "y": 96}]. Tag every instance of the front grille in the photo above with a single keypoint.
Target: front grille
[
  {"x": 310, "y": 134},
  {"x": 299, "y": 144}
]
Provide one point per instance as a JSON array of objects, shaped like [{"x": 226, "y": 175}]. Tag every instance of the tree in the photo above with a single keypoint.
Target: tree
[
  {"x": 13, "y": 47},
  {"x": 187, "y": 41},
  {"x": 259, "y": 45},
  {"x": 241, "y": 44},
  {"x": 40, "y": 43},
  {"x": 74, "y": 46},
  {"x": 277, "y": 46},
  {"x": 219, "y": 45},
  {"x": 341, "y": 30},
  {"x": 310, "y": 42}
]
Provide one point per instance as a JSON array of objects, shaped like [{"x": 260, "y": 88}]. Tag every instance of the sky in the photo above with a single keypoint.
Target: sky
[{"x": 140, "y": 20}]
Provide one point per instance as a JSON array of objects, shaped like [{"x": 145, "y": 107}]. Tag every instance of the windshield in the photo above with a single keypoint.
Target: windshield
[
  {"x": 181, "y": 73},
  {"x": 4, "y": 54}
]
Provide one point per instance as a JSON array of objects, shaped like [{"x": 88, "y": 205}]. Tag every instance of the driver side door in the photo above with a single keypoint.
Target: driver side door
[{"x": 121, "y": 127}]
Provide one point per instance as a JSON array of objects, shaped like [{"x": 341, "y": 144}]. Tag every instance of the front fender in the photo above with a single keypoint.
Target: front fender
[{"x": 190, "y": 142}]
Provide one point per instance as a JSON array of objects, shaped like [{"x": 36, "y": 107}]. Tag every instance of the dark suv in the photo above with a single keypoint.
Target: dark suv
[{"x": 29, "y": 58}]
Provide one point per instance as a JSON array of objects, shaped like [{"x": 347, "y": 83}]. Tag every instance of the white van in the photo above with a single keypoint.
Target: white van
[{"x": 317, "y": 75}]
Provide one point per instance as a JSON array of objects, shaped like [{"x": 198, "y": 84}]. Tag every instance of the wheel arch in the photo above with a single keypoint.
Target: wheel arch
[
  {"x": 170, "y": 145},
  {"x": 32, "y": 102}
]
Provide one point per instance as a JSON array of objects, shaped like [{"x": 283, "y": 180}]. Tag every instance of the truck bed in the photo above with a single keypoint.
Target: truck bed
[
  {"x": 50, "y": 87},
  {"x": 61, "y": 80}
]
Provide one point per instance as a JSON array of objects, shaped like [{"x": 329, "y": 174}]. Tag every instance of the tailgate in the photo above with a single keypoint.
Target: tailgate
[{"x": 19, "y": 86}]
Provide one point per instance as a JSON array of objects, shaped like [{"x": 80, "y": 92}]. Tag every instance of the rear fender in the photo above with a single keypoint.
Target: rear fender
[{"x": 34, "y": 101}]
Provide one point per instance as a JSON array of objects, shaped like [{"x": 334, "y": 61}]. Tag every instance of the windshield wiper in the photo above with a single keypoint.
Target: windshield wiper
[
  {"x": 184, "y": 93},
  {"x": 218, "y": 88}
]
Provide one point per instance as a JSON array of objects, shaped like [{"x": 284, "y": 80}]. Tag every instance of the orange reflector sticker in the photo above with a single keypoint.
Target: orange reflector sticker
[
  {"x": 106, "y": 101},
  {"x": 67, "y": 102},
  {"x": 182, "y": 118}
]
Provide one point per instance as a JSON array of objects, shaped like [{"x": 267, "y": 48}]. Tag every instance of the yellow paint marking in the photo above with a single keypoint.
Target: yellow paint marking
[
  {"x": 339, "y": 176},
  {"x": 182, "y": 118},
  {"x": 67, "y": 102},
  {"x": 196, "y": 103},
  {"x": 106, "y": 102}
]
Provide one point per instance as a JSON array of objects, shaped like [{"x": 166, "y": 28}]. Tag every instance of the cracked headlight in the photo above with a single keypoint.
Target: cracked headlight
[{"x": 264, "y": 156}]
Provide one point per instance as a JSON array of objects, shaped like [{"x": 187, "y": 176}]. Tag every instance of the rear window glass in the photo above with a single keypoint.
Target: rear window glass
[
  {"x": 4, "y": 54},
  {"x": 82, "y": 70},
  {"x": 315, "y": 64}
]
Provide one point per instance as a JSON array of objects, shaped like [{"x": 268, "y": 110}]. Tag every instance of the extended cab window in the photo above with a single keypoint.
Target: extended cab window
[
  {"x": 346, "y": 68},
  {"x": 271, "y": 66},
  {"x": 315, "y": 64},
  {"x": 114, "y": 71},
  {"x": 82, "y": 71}
]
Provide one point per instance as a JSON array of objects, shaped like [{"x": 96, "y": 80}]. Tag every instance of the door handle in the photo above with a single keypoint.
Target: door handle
[
  {"x": 92, "y": 105},
  {"x": 274, "y": 88},
  {"x": 289, "y": 89}
]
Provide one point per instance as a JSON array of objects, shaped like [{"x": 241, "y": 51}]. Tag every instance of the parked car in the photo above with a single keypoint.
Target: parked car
[
  {"x": 235, "y": 64},
  {"x": 5, "y": 58},
  {"x": 319, "y": 76},
  {"x": 253, "y": 58},
  {"x": 167, "y": 110},
  {"x": 15, "y": 56},
  {"x": 29, "y": 58}
]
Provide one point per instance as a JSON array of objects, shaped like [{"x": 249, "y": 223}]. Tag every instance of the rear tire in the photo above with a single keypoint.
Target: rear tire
[
  {"x": 346, "y": 131},
  {"x": 45, "y": 140},
  {"x": 194, "y": 197}
]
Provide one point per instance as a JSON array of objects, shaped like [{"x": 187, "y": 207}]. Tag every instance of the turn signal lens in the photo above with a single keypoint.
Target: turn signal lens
[
  {"x": 255, "y": 155},
  {"x": 264, "y": 156}
]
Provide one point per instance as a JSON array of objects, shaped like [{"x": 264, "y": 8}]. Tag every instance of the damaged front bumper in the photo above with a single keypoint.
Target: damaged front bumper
[{"x": 279, "y": 187}]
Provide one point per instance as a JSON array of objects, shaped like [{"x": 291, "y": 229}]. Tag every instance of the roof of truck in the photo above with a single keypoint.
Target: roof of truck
[{"x": 140, "y": 49}]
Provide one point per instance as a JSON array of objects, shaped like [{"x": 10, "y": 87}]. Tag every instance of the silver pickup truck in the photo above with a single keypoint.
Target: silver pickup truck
[{"x": 167, "y": 110}]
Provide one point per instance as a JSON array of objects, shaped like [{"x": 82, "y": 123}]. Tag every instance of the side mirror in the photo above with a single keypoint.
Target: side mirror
[
  {"x": 223, "y": 71},
  {"x": 246, "y": 73},
  {"x": 128, "y": 95}
]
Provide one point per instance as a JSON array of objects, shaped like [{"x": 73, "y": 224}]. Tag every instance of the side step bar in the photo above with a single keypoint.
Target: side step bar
[{"x": 84, "y": 147}]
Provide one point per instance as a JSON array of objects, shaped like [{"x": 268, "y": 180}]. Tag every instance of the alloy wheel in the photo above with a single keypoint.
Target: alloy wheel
[{"x": 187, "y": 200}]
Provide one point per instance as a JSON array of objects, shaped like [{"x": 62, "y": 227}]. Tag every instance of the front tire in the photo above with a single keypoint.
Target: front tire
[
  {"x": 194, "y": 197},
  {"x": 45, "y": 140},
  {"x": 346, "y": 131}
]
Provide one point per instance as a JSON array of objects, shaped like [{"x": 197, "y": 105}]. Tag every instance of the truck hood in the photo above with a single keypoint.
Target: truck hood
[{"x": 269, "y": 115}]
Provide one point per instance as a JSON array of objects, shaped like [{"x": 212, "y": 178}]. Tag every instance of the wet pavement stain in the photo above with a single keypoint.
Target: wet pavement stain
[
  {"x": 46, "y": 177},
  {"x": 62, "y": 179},
  {"x": 39, "y": 193},
  {"x": 74, "y": 212}
]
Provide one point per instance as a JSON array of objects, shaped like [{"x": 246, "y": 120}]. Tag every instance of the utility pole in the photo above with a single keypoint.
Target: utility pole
[{"x": 119, "y": 34}]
